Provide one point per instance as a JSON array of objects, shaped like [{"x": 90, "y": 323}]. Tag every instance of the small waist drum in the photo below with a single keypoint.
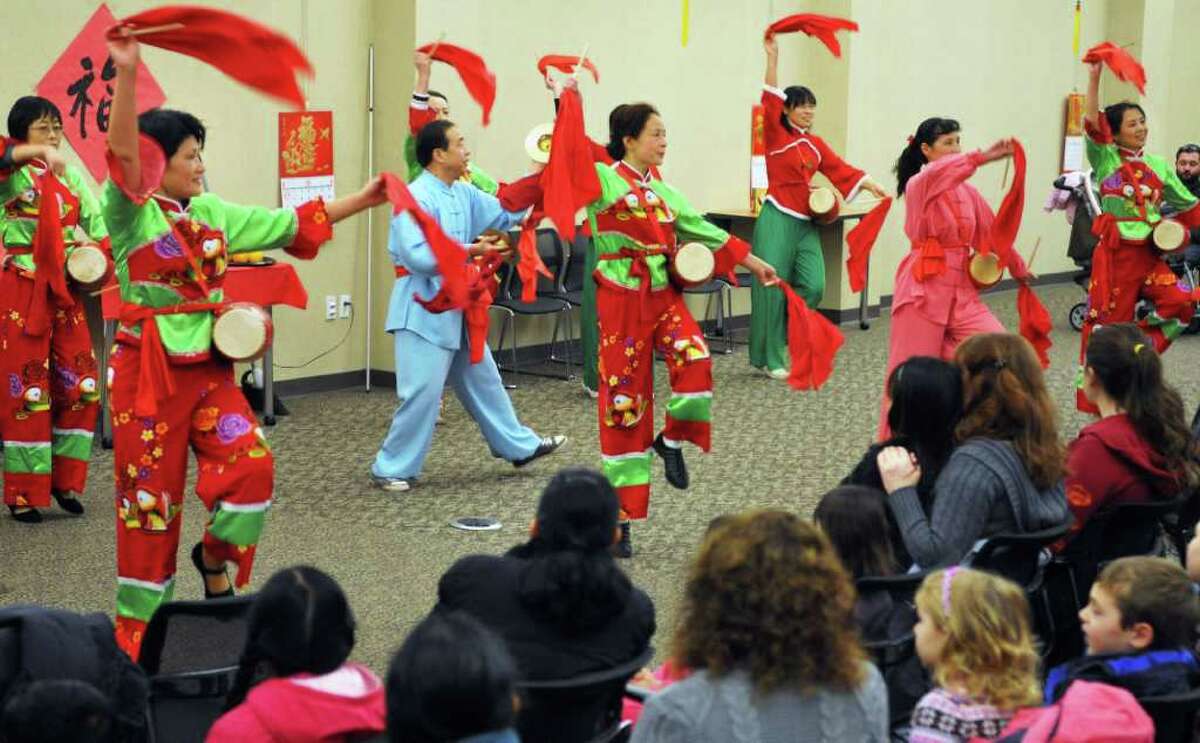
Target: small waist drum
[
  {"x": 242, "y": 331},
  {"x": 1170, "y": 236},
  {"x": 691, "y": 265},
  {"x": 984, "y": 270},
  {"x": 823, "y": 205},
  {"x": 88, "y": 267}
]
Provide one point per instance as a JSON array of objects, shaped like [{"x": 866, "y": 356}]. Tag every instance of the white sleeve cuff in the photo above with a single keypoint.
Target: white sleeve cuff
[
  {"x": 775, "y": 92},
  {"x": 857, "y": 187}
]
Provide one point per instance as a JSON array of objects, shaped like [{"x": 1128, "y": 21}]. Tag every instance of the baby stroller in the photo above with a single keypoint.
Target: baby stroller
[{"x": 1083, "y": 206}]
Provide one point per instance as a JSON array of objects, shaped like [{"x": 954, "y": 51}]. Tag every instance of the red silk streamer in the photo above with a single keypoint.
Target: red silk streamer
[
  {"x": 1105, "y": 228},
  {"x": 481, "y": 288},
  {"x": 49, "y": 253},
  {"x": 1120, "y": 62},
  {"x": 861, "y": 239},
  {"x": 824, "y": 27},
  {"x": 567, "y": 64},
  {"x": 478, "y": 79},
  {"x": 1007, "y": 223},
  {"x": 813, "y": 343},
  {"x": 243, "y": 49},
  {"x": 450, "y": 256},
  {"x": 530, "y": 262},
  {"x": 569, "y": 181},
  {"x": 1035, "y": 324}
]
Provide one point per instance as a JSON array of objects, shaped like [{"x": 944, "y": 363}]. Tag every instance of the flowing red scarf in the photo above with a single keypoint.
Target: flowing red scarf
[
  {"x": 1035, "y": 324},
  {"x": 1120, "y": 62},
  {"x": 813, "y": 343},
  {"x": 529, "y": 261},
  {"x": 478, "y": 79},
  {"x": 450, "y": 256},
  {"x": 569, "y": 181},
  {"x": 567, "y": 63},
  {"x": 49, "y": 253},
  {"x": 243, "y": 49},
  {"x": 1007, "y": 223},
  {"x": 860, "y": 240},
  {"x": 823, "y": 27}
]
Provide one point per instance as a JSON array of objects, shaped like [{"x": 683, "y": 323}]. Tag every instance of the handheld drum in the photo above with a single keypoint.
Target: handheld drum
[
  {"x": 691, "y": 265},
  {"x": 823, "y": 205},
  {"x": 537, "y": 143},
  {"x": 984, "y": 270},
  {"x": 242, "y": 331},
  {"x": 1170, "y": 236},
  {"x": 87, "y": 266}
]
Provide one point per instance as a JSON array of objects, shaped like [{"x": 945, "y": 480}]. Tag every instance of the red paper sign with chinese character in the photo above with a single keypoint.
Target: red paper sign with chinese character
[
  {"x": 80, "y": 83},
  {"x": 305, "y": 156}
]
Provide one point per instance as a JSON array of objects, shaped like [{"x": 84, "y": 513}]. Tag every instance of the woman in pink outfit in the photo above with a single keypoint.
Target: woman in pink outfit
[
  {"x": 294, "y": 682},
  {"x": 935, "y": 305}
]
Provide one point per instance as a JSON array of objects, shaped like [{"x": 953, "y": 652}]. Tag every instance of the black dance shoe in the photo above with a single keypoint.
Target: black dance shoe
[
  {"x": 676, "y": 470},
  {"x": 25, "y": 515},
  {"x": 547, "y": 446},
  {"x": 205, "y": 571},
  {"x": 623, "y": 549},
  {"x": 67, "y": 503}
]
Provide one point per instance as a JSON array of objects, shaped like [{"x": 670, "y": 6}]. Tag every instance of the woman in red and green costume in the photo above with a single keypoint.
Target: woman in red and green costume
[
  {"x": 49, "y": 411},
  {"x": 426, "y": 106},
  {"x": 1126, "y": 266},
  {"x": 636, "y": 224},
  {"x": 784, "y": 235},
  {"x": 170, "y": 242}
]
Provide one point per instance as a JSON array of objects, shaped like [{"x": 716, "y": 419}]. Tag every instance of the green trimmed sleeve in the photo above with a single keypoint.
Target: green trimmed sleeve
[
  {"x": 612, "y": 188},
  {"x": 16, "y": 183},
  {"x": 250, "y": 228},
  {"x": 129, "y": 224},
  {"x": 690, "y": 225},
  {"x": 484, "y": 182},
  {"x": 90, "y": 218},
  {"x": 410, "y": 158}
]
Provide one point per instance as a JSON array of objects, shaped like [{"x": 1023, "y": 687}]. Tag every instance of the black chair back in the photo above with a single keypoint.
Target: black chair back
[
  {"x": 1018, "y": 557},
  {"x": 191, "y": 651},
  {"x": 1174, "y": 716},
  {"x": 583, "y": 709},
  {"x": 576, "y": 263},
  {"x": 1124, "y": 530}
]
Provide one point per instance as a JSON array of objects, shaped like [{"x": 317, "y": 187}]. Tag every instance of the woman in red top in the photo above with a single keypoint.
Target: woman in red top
[
  {"x": 1139, "y": 449},
  {"x": 784, "y": 234}
]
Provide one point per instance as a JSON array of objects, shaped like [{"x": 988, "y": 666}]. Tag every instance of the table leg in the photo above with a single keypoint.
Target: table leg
[
  {"x": 269, "y": 381},
  {"x": 864, "y": 297},
  {"x": 106, "y": 435}
]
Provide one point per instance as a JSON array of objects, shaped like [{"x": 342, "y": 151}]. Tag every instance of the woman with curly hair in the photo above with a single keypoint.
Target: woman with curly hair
[
  {"x": 1006, "y": 474},
  {"x": 974, "y": 636},
  {"x": 767, "y": 629}
]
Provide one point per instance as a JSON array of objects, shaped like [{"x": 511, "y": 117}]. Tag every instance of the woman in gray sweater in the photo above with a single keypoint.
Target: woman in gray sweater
[
  {"x": 767, "y": 631},
  {"x": 1006, "y": 474}
]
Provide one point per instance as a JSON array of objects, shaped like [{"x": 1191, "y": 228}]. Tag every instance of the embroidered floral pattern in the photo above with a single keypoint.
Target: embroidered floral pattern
[{"x": 231, "y": 427}]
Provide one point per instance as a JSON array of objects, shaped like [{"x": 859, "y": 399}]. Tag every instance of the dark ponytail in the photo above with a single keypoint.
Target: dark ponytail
[
  {"x": 1130, "y": 371},
  {"x": 911, "y": 158},
  {"x": 300, "y": 623},
  {"x": 626, "y": 120},
  {"x": 570, "y": 578}
]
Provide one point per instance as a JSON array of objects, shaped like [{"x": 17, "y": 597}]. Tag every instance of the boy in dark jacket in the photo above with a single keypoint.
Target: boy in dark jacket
[{"x": 1139, "y": 625}]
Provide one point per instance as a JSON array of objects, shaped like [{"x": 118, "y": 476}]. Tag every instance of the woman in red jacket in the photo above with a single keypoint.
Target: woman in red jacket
[{"x": 1139, "y": 449}]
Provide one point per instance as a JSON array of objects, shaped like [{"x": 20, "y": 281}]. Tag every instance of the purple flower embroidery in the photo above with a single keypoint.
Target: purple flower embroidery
[
  {"x": 15, "y": 388},
  {"x": 231, "y": 427},
  {"x": 1113, "y": 181},
  {"x": 67, "y": 378},
  {"x": 168, "y": 247}
]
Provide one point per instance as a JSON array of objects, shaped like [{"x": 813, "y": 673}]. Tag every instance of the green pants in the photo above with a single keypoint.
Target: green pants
[
  {"x": 793, "y": 249},
  {"x": 589, "y": 328}
]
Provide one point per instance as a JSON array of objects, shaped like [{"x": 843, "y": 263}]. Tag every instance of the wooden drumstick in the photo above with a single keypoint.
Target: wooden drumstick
[
  {"x": 433, "y": 49},
  {"x": 1004, "y": 179},
  {"x": 1033, "y": 254},
  {"x": 579, "y": 65},
  {"x": 154, "y": 29},
  {"x": 108, "y": 288}
]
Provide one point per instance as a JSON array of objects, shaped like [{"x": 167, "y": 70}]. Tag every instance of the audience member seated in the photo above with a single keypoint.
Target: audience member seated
[
  {"x": 974, "y": 636},
  {"x": 1140, "y": 628},
  {"x": 294, "y": 682},
  {"x": 1193, "y": 556},
  {"x": 452, "y": 680},
  {"x": 927, "y": 403},
  {"x": 767, "y": 628},
  {"x": 59, "y": 711},
  {"x": 559, "y": 601},
  {"x": 1006, "y": 474},
  {"x": 855, "y": 520},
  {"x": 1139, "y": 450}
]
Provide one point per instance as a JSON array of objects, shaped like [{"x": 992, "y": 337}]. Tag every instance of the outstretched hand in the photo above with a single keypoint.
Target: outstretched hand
[{"x": 999, "y": 150}]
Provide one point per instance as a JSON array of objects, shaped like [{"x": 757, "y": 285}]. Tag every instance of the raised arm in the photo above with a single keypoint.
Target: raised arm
[
  {"x": 1091, "y": 102},
  {"x": 771, "y": 77},
  {"x": 122, "y": 124}
]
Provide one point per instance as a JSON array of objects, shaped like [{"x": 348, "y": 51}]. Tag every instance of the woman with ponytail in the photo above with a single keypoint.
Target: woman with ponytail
[
  {"x": 935, "y": 305},
  {"x": 1140, "y": 449},
  {"x": 559, "y": 600},
  {"x": 1006, "y": 474},
  {"x": 294, "y": 682}
]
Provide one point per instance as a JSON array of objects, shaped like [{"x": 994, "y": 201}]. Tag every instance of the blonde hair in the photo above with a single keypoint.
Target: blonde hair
[{"x": 989, "y": 652}]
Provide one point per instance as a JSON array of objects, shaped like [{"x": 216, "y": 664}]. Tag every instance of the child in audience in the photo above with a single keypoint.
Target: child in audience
[
  {"x": 1140, "y": 627},
  {"x": 452, "y": 680},
  {"x": 294, "y": 682},
  {"x": 974, "y": 635},
  {"x": 57, "y": 711},
  {"x": 1140, "y": 448},
  {"x": 766, "y": 628}
]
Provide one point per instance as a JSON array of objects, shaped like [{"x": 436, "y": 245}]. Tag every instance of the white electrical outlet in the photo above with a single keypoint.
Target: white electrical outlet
[
  {"x": 344, "y": 306},
  {"x": 331, "y": 307}
]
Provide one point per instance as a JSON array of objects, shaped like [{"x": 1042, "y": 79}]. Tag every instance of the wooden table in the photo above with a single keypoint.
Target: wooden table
[{"x": 740, "y": 222}]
